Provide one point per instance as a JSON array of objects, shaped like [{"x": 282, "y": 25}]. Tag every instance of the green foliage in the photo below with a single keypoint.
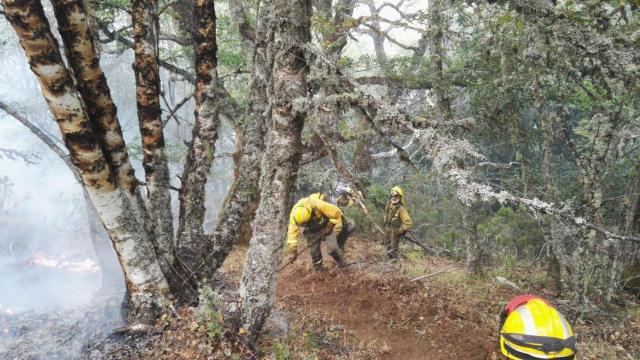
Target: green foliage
[
  {"x": 230, "y": 55},
  {"x": 279, "y": 351},
  {"x": 310, "y": 342},
  {"x": 509, "y": 228},
  {"x": 345, "y": 130},
  {"x": 414, "y": 255},
  {"x": 209, "y": 317},
  {"x": 174, "y": 151},
  {"x": 323, "y": 26},
  {"x": 451, "y": 238},
  {"x": 377, "y": 195}
]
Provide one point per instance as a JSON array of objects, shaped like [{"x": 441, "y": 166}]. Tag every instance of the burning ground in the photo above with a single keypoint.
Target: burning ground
[{"x": 53, "y": 307}]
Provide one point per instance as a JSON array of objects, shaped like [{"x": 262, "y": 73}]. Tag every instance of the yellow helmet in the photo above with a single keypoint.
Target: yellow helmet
[
  {"x": 301, "y": 215},
  {"x": 318, "y": 196},
  {"x": 397, "y": 190},
  {"x": 536, "y": 330}
]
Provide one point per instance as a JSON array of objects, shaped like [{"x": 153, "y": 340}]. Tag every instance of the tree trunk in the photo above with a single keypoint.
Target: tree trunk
[
  {"x": 239, "y": 208},
  {"x": 94, "y": 91},
  {"x": 91, "y": 83},
  {"x": 436, "y": 33},
  {"x": 247, "y": 33},
  {"x": 145, "y": 35},
  {"x": 146, "y": 284},
  {"x": 470, "y": 224},
  {"x": 288, "y": 31},
  {"x": 362, "y": 157},
  {"x": 191, "y": 240},
  {"x": 556, "y": 252},
  {"x": 623, "y": 251},
  {"x": 109, "y": 267},
  {"x": 437, "y": 27}
]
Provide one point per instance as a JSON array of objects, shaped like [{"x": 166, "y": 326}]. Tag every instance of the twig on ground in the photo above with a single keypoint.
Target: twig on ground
[{"x": 433, "y": 274}]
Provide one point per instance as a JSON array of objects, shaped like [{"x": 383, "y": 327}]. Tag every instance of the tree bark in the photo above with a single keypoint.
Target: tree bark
[
  {"x": 144, "y": 15},
  {"x": 92, "y": 86},
  {"x": 74, "y": 30},
  {"x": 436, "y": 34},
  {"x": 470, "y": 224},
  {"x": 191, "y": 239},
  {"x": 109, "y": 268},
  {"x": 622, "y": 251},
  {"x": 288, "y": 32},
  {"x": 247, "y": 33},
  {"x": 146, "y": 284},
  {"x": 557, "y": 251},
  {"x": 234, "y": 224}
]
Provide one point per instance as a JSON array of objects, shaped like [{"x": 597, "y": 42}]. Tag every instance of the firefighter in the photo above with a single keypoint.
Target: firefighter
[
  {"x": 319, "y": 221},
  {"x": 396, "y": 221},
  {"x": 531, "y": 328},
  {"x": 346, "y": 198}
]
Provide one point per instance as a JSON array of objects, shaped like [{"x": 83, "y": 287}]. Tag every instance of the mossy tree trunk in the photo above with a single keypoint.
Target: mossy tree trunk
[{"x": 287, "y": 32}]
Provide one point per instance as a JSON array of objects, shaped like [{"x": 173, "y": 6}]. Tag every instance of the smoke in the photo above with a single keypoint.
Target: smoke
[
  {"x": 43, "y": 219},
  {"x": 55, "y": 295}
]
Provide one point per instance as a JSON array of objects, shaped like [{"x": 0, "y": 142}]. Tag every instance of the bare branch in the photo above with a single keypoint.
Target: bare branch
[
  {"x": 377, "y": 30},
  {"x": 175, "y": 109},
  {"x": 403, "y": 23},
  {"x": 395, "y": 7},
  {"x": 176, "y": 39},
  {"x": 391, "y": 153},
  {"x": 128, "y": 43},
  {"x": 492, "y": 165},
  {"x": 165, "y": 7},
  {"x": 46, "y": 139},
  {"x": 311, "y": 156},
  {"x": 227, "y": 105}
]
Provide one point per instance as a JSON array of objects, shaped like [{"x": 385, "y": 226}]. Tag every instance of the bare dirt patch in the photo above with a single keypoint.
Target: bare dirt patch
[{"x": 400, "y": 319}]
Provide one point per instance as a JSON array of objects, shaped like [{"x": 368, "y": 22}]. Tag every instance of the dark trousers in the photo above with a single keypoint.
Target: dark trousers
[
  {"x": 392, "y": 243},
  {"x": 335, "y": 243}
]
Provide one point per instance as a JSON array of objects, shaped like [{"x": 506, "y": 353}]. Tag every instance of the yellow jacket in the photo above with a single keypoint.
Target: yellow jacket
[
  {"x": 318, "y": 209},
  {"x": 396, "y": 217}
]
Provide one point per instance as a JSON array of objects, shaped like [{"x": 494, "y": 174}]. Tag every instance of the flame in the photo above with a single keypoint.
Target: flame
[{"x": 86, "y": 265}]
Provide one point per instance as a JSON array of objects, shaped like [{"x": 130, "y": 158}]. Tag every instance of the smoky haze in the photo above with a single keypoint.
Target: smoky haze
[{"x": 48, "y": 262}]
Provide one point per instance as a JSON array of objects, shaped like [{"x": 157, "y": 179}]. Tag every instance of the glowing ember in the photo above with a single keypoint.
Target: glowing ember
[{"x": 86, "y": 265}]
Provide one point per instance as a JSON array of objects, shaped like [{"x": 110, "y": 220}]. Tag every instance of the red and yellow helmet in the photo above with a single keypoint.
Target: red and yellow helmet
[{"x": 533, "y": 329}]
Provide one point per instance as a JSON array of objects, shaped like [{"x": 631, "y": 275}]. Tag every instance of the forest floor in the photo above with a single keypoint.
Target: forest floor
[{"x": 372, "y": 310}]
